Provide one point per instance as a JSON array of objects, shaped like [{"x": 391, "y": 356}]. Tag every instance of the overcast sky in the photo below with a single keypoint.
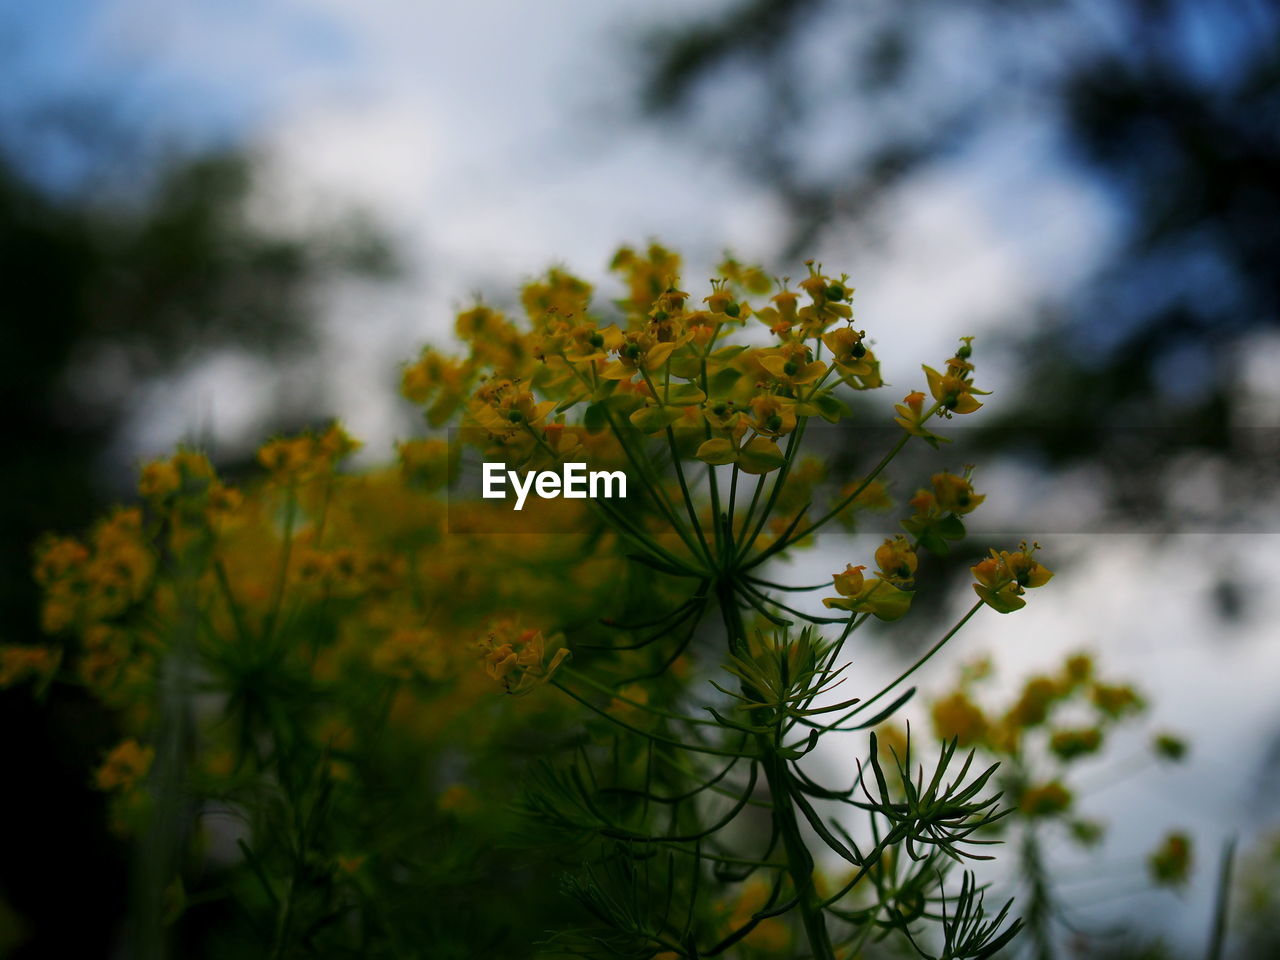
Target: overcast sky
[{"x": 494, "y": 138}]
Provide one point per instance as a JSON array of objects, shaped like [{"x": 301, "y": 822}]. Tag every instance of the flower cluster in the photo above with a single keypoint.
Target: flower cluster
[{"x": 318, "y": 649}]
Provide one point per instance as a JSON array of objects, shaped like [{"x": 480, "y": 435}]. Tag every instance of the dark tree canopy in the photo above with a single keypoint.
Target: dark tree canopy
[
  {"x": 101, "y": 297},
  {"x": 1171, "y": 106}
]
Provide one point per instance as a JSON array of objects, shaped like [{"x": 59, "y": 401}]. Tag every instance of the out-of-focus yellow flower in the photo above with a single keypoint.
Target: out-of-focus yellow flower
[
  {"x": 125, "y": 766},
  {"x": 515, "y": 659},
  {"x": 959, "y": 717},
  {"x": 1077, "y": 669},
  {"x": 1046, "y": 800},
  {"x": 300, "y": 457},
  {"x": 437, "y": 381},
  {"x": 425, "y": 462},
  {"x": 770, "y": 936},
  {"x": 1169, "y": 747},
  {"x": 648, "y": 275},
  {"x": 106, "y": 652},
  {"x": 1170, "y": 864},
  {"x": 159, "y": 480},
  {"x": 1115, "y": 701},
  {"x": 1032, "y": 707},
  {"x": 1070, "y": 744},
  {"x": 953, "y": 494},
  {"x": 558, "y": 294},
  {"x": 27, "y": 662},
  {"x": 58, "y": 558}
]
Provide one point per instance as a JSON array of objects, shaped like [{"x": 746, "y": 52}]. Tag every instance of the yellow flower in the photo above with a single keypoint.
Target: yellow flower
[
  {"x": 1069, "y": 744},
  {"x": 876, "y": 596},
  {"x": 648, "y": 275},
  {"x": 849, "y": 583},
  {"x": 59, "y": 558},
  {"x": 646, "y": 350},
  {"x": 159, "y": 480},
  {"x": 1169, "y": 747},
  {"x": 954, "y": 494},
  {"x": 721, "y": 301},
  {"x": 504, "y": 407},
  {"x": 952, "y": 389},
  {"x": 1115, "y": 701},
  {"x": 896, "y": 559},
  {"x": 1032, "y": 708},
  {"x": 1046, "y": 800},
  {"x": 845, "y": 344},
  {"x": 438, "y": 380},
  {"x": 1077, "y": 669},
  {"x": 515, "y": 659},
  {"x": 559, "y": 294},
  {"x": 912, "y": 416},
  {"x": 1003, "y": 578},
  {"x": 772, "y": 416},
  {"x": 1170, "y": 864},
  {"x": 27, "y": 662},
  {"x": 425, "y": 462},
  {"x": 125, "y": 766},
  {"x": 959, "y": 717},
  {"x": 790, "y": 365}
]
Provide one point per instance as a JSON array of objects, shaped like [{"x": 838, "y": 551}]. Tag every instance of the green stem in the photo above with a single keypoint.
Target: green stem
[
  {"x": 825, "y": 518},
  {"x": 799, "y": 860},
  {"x": 1040, "y": 902},
  {"x": 924, "y": 658},
  {"x": 793, "y": 442}
]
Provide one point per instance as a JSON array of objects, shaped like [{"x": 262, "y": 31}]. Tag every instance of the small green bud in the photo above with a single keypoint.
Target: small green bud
[
  {"x": 835, "y": 292},
  {"x": 858, "y": 351},
  {"x": 732, "y": 309}
]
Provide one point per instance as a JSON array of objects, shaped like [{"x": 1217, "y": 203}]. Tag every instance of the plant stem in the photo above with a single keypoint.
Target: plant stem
[{"x": 799, "y": 860}]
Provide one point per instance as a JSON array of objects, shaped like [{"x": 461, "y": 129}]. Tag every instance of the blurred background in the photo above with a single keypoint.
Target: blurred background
[{"x": 219, "y": 220}]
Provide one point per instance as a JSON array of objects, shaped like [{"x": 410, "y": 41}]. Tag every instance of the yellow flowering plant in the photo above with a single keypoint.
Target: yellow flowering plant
[
  {"x": 325, "y": 658},
  {"x": 1053, "y": 723}
]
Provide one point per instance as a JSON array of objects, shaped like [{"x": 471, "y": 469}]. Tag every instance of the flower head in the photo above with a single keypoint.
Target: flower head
[{"x": 1004, "y": 577}]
